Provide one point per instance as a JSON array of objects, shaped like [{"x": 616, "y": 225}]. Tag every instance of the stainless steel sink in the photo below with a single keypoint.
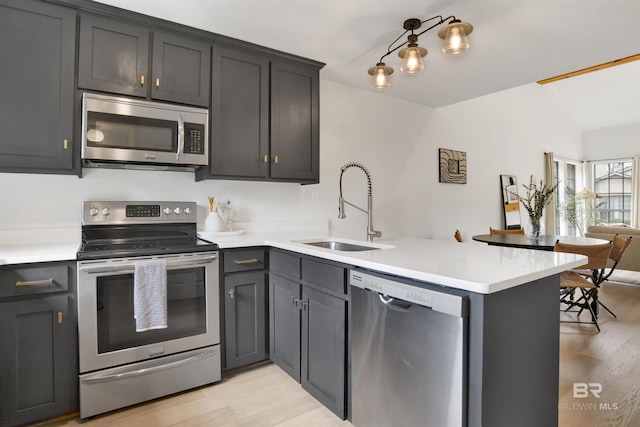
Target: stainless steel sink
[{"x": 341, "y": 246}]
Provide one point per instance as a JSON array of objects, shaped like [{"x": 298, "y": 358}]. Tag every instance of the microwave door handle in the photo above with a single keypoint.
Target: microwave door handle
[{"x": 180, "y": 137}]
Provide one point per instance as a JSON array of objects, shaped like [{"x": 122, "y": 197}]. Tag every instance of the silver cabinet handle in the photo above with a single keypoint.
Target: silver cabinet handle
[
  {"x": 145, "y": 371},
  {"x": 35, "y": 282}
]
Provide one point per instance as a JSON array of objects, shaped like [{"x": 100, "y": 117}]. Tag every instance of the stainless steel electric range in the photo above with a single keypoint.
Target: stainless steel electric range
[{"x": 119, "y": 365}]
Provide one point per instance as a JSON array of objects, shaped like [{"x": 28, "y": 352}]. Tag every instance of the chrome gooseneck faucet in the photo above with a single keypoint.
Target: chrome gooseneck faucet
[{"x": 371, "y": 233}]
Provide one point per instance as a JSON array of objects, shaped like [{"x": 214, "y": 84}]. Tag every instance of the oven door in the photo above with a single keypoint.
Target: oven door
[{"x": 106, "y": 325}]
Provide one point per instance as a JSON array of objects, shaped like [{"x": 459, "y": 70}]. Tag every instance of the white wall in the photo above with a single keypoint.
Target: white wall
[
  {"x": 503, "y": 133},
  {"x": 612, "y": 143}
]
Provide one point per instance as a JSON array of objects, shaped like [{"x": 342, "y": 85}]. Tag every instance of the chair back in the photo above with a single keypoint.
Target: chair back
[
  {"x": 498, "y": 231},
  {"x": 620, "y": 245},
  {"x": 598, "y": 254}
]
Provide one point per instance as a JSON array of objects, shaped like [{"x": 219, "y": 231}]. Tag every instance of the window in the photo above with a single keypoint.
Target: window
[
  {"x": 612, "y": 185},
  {"x": 568, "y": 180}
]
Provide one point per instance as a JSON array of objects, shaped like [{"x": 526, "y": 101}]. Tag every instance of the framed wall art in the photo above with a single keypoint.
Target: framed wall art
[{"x": 453, "y": 166}]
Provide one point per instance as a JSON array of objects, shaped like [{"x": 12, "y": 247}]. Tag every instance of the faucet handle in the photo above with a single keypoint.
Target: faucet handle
[{"x": 373, "y": 233}]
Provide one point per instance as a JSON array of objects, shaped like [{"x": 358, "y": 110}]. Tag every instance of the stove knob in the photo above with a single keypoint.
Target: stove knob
[
  {"x": 187, "y": 211},
  {"x": 177, "y": 211},
  {"x": 167, "y": 211},
  {"x": 106, "y": 211},
  {"x": 93, "y": 211}
]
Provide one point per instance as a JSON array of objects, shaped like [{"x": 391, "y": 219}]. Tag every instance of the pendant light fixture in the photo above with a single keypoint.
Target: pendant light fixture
[
  {"x": 455, "y": 39},
  {"x": 412, "y": 54}
]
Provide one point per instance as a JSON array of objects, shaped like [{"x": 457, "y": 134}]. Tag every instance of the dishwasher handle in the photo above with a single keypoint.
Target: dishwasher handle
[{"x": 395, "y": 304}]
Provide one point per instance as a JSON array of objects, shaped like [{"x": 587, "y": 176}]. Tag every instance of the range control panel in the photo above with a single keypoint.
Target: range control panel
[{"x": 113, "y": 212}]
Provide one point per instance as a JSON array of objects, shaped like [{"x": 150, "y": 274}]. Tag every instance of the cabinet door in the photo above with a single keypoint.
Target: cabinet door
[
  {"x": 323, "y": 348},
  {"x": 245, "y": 318},
  {"x": 240, "y": 114},
  {"x": 180, "y": 69},
  {"x": 113, "y": 56},
  {"x": 36, "y": 86},
  {"x": 294, "y": 122},
  {"x": 35, "y": 359},
  {"x": 284, "y": 324}
]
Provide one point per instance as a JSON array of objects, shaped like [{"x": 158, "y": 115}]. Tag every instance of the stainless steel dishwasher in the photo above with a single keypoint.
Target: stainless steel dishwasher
[{"x": 408, "y": 353}]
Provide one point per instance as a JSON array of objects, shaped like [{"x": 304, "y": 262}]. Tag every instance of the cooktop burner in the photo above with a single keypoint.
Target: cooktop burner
[
  {"x": 122, "y": 250},
  {"x": 128, "y": 229}
]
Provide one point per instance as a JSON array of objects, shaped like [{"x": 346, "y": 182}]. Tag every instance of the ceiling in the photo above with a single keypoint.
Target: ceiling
[{"x": 514, "y": 43}]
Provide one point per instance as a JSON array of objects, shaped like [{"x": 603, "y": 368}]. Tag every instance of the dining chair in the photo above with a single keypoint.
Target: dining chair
[
  {"x": 499, "y": 231},
  {"x": 619, "y": 246},
  {"x": 572, "y": 280}
]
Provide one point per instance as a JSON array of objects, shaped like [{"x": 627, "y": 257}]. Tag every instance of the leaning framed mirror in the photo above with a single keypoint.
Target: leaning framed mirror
[{"x": 510, "y": 203}]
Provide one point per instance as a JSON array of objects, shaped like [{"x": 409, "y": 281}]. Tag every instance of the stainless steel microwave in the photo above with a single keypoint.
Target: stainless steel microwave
[{"x": 133, "y": 133}]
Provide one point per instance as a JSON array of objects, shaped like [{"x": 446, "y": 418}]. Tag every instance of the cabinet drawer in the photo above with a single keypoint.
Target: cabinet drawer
[
  {"x": 325, "y": 275},
  {"x": 33, "y": 279},
  {"x": 285, "y": 264},
  {"x": 244, "y": 260}
]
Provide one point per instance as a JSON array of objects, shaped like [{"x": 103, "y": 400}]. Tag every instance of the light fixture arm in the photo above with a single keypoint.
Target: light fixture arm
[{"x": 408, "y": 27}]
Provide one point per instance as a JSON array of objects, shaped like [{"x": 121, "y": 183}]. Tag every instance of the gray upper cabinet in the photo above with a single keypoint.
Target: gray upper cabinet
[
  {"x": 265, "y": 118},
  {"x": 295, "y": 133},
  {"x": 180, "y": 69},
  {"x": 113, "y": 56},
  {"x": 118, "y": 57},
  {"x": 36, "y": 87},
  {"x": 240, "y": 114}
]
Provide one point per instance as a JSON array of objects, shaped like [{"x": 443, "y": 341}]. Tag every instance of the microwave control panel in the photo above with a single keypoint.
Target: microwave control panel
[{"x": 194, "y": 138}]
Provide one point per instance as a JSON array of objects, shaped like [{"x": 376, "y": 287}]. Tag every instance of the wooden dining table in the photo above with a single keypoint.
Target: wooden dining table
[{"x": 546, "y": 243}]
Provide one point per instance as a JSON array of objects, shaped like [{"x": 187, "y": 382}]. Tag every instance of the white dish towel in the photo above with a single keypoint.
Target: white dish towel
[{"x": 150, "y": 294}]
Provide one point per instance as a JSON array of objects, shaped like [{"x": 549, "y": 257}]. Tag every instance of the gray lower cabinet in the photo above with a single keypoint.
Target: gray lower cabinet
[
  {"x": 115, "y": 56},
  {"x": 284, "y": 324},
  {"x": 245, "y": 307},
  {"x": 36, "y": 87},
  {"x": 308, "y": 305},
  {"x": 324, "y": 348},
  {"x": 38, "y": 356}
]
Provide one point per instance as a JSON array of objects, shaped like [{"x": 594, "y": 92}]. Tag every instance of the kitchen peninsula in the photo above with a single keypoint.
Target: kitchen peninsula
[{"x": 512, "y": 318}]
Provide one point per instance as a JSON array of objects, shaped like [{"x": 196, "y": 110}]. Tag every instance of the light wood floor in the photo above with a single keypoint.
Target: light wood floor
[{"x": 266, "y": 396}]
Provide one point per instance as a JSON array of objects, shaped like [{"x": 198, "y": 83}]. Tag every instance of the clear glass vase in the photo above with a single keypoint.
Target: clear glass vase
[{"x": 536, "y": 229}]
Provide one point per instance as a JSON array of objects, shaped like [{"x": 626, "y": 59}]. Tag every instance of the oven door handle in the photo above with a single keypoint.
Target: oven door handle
[
  {"x": 145, "y": 371},
  {"x": 128, "y": 268}
]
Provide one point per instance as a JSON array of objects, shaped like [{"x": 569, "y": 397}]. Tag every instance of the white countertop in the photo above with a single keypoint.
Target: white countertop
[
  {"x": 22, "y": 246},
  {"x": 472, "y": 266}
]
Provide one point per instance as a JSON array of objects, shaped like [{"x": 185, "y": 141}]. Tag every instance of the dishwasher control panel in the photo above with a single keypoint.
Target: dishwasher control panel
[{"x": 454, "y": 305}]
